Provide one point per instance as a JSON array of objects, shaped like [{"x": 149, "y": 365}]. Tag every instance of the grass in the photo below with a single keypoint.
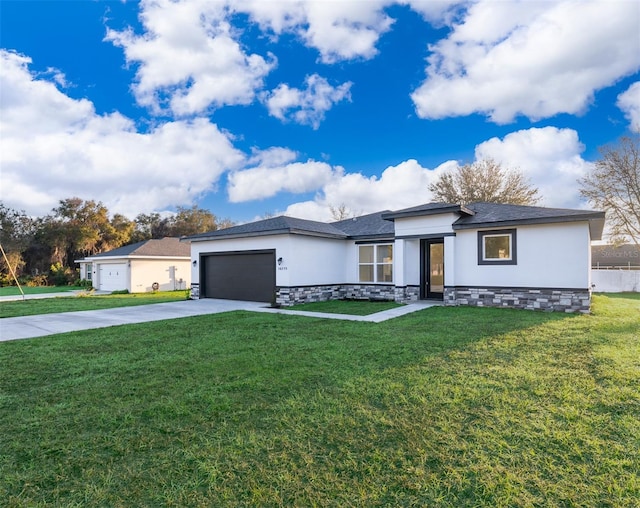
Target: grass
[
  {"x": 84, "y": 302},
  {"x": 447, "y": 407},
  {"x": 38, "y": 290},
  {"x": 353, "y": 307}
]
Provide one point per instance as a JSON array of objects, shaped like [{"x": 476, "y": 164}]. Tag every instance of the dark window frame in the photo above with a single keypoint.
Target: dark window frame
[{"x": 498, "y": 262}]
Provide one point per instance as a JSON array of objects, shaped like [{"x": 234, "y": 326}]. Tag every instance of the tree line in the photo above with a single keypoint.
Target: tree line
[
  {"x": 43, "y": 249},
  {"x": 47, "y": 246}
]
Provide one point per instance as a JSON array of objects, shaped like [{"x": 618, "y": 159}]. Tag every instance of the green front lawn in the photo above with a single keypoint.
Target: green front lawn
[
  {"x": 353, "y": 307},
  {"x": 38, "y": 290},
  {"x": 85, "y": 302},
  {"x": 446, "y": 407}
]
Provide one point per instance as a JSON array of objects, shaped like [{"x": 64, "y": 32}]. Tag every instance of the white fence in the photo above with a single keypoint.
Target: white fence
[{"x": 615, "y": 280}]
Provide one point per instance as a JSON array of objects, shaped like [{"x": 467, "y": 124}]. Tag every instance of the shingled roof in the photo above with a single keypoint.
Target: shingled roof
[
  {"x": 166, "y": 247},
  {"x": 367, "y": 226},
  {"x": 380, "y": 224},
  {"x": 494, "y": 214},
  {"x": 273, "y": 226}
]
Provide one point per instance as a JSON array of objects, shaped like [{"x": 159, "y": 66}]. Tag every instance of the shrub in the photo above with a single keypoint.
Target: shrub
[
  {"x": 62, "y": 275},
  {"x": 37, "y": 281}
]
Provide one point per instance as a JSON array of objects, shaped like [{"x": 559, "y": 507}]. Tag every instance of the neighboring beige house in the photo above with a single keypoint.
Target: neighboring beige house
[{"x": 163, "y": 265}]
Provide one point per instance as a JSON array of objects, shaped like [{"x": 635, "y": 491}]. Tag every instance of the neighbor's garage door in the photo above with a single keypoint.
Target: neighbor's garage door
[
  {"x": 113, "y": 277},
  {"x": 240, "y": 276}
]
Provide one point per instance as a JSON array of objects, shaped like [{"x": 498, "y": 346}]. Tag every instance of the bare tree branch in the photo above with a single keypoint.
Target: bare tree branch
[
  {"x": 484, "y": 181},
  {"x": 614, "y": 186}
]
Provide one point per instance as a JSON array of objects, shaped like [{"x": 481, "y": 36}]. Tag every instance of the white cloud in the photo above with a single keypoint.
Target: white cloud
[
  {"x": 339, "y": 30},
  {"x": 527, "y": 58},
  {"x": 397, "y": 187},
  {"x": 189, "y": 58},
  {"x": 345, "y": 30},
  {"x": 307, "y": 106},
  {"x": 272, "y": 157},
  {"x": 437, "y": 12},
  {"x": 629, "y": 103},
  {"x": 276, "y": 172},
  {"x": 55, "y": 147},
  {"x": 549, "y": 157}
]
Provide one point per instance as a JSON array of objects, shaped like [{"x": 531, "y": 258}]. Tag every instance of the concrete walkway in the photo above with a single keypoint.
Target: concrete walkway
[{"x": 49, "y": 324}]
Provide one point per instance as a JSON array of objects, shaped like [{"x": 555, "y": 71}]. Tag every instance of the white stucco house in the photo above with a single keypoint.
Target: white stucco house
[
  {"x": 140, "y": 266},
  {"x": 479, "y": 254}
]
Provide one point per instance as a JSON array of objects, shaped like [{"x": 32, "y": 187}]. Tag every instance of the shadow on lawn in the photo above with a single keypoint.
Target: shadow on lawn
[{"x": 242, "y": 401}]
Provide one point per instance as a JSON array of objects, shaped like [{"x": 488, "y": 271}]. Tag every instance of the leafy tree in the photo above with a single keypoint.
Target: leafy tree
[
  {"x": 150, "y": 226},
  {"x": 120, "y": 234},
  {"x": 484, "y": 181},
  {"x": 185, "y": 222},
  {"x": 78, "y": 228},
  {"x": 191, "y": 221},
  {"x": 16, "y": 233},
  {"x": 614, "y": 186}
]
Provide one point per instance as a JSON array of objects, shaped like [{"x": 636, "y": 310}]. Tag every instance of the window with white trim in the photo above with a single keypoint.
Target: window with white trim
[
  {"x": 375, "y": 263},
  {"x": 497, "y": 247}
]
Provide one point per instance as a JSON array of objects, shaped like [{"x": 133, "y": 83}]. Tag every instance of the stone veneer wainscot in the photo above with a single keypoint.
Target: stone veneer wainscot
[
  {"x": 563, "y": 300},
  {"x": 287, "y": 296}
]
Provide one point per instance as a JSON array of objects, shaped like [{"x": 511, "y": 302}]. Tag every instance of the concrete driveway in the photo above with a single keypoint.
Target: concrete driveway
[{"x": 49, "y": 324}]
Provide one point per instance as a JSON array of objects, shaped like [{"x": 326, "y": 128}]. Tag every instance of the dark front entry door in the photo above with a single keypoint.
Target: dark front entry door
[{"x": 433, "y": 269}]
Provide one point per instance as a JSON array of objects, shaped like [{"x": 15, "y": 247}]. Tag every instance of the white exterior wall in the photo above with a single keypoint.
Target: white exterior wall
[
  {"x": 141, "y": 273},
  {"x": 423, "y": 226},
  {"x": 280, "y": 243},
  {"x": 351, "y": 264},
  {"x": 86, "y": 270},
  {"x": 548, "y": 256},
  {"x": 105, "y": 263},
  {"x": 450, "y": 261},
  {"x": 306, "y": 260},
  {"x": 411, "y": 263},
  {"x": 316, "y": 261},
  {"x": 166, "y": 272}
]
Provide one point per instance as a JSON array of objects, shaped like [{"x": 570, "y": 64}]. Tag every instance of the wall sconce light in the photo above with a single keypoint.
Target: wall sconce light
[
  {"x": 195, "y": 262},
  {"x": 280, "y": 261}
]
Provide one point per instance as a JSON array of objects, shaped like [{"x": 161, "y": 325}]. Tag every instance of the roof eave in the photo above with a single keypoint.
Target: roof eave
[
  {"x": 303, "y": 232},
  {"x": 596, "y": 227},
  {"x": 385, "y": 236},
  {"x": 435, "y": 211},
  {"x": 231, "y": 236},
  {"x": 274, "y": 232},
  {"x": 590, "y": 217}
]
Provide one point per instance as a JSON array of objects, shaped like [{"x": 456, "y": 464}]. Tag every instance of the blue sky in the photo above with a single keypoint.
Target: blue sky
[{"x": 251, "y": 107}]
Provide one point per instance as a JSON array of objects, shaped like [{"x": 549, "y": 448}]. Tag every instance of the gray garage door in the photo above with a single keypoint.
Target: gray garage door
[{"x": 240, "y": 276}]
